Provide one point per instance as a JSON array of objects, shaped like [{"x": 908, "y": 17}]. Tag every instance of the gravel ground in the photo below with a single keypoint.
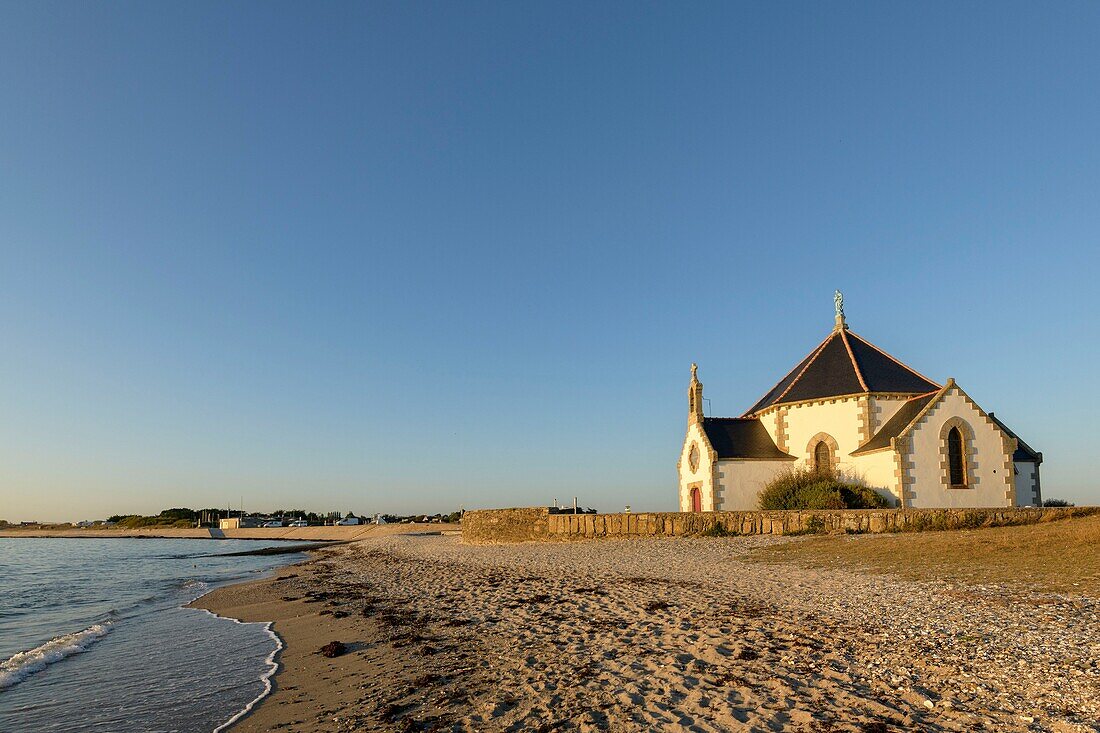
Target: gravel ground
[{"x": 696, "y": 634}]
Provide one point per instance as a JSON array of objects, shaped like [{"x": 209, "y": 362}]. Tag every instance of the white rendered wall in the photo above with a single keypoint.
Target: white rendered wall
[
  {"x": 1025, "y": 483},
  {"x": 877, "y": 471},
  {"x": 926, "y": 486},
  {"x": 839, "y": 418},
  {"x": 741, "y": 481},
  {"x": 703, "y": 474}
]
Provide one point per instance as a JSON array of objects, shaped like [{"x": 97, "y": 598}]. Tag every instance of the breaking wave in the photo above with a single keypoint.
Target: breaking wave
[
  {"x": 272, "y": 668},
  {"x": 20, "y": 666}
]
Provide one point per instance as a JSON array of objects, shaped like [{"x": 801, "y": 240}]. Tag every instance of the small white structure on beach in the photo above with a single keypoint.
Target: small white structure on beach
[
  {"x": 850, "y": 406},
  {"x": 239, "y": 523}
]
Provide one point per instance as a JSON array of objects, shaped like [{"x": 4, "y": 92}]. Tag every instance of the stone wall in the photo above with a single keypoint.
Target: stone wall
[
  {"x": 538, "y": 524},
  {"x": 487, "y": 526}
]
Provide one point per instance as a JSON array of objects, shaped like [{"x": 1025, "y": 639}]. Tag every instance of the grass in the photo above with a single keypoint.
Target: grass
[{"x": 1061, "y": 556}]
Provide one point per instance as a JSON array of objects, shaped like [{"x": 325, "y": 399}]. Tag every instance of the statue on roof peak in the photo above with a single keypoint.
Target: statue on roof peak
[{"x": 838, "y": 301}]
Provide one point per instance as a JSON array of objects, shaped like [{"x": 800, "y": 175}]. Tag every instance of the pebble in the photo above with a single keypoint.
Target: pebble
[{"x": 998, "y": 650}]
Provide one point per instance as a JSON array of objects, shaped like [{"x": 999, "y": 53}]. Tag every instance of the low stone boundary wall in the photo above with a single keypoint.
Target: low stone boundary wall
[{"x": 487, "y": 526}]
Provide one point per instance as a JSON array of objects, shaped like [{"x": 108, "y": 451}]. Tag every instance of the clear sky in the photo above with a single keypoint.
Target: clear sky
[{"x": 414, "y": 256}]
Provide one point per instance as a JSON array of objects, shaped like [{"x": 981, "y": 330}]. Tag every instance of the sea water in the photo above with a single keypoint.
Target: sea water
[{"x": 94, "y": 635}]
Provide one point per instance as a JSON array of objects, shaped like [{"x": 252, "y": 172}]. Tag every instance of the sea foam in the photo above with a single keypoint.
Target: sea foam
[
  {"x": 272, "y": 668},
  {"x": 20, "y": 666}
]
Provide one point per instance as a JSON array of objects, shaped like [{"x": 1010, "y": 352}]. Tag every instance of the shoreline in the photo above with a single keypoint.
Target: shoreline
[
  {"x": 271, "y": 660},
  {"x": 301, "y": 534},
  {"x": 253, "y": 601},
  {"x": 161, "y": 651},
  {"x": 302, "y": 683},
  {"x": 644, "y": 634},
  {"x": 291, "y": 601}
]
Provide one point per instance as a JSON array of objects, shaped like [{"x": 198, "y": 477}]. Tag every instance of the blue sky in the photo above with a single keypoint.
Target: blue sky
[{"x": 417, "y": 256}]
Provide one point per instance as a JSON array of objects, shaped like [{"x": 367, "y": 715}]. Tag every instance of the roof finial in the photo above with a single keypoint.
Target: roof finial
[
  {"x": 838, "y": 301},
  {"x": 695, "y": 397}
]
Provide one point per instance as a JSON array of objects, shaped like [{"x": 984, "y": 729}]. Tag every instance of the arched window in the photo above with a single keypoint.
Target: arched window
[
  {"x": 823, "y": 459},
  {"x": 955, "y": 458}
]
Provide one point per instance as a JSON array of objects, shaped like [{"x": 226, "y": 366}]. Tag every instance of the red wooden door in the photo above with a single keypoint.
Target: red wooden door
[{"x": 696, "y": 500}]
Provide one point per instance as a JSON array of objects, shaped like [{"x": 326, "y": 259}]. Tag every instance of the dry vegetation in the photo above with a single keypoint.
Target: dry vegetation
[{"x": 1062, "y": 556}]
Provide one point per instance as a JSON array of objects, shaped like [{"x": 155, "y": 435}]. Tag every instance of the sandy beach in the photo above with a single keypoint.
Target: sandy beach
[{"x": 627, "y": 635}]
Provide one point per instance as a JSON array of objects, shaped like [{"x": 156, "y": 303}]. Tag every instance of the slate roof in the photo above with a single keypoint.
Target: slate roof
[
  {"x": 844, "y": 364},
  {"x": 896, "y": 424},
  {"x": 742, "y": 437},
  {"x": 1024, "y": 452}
]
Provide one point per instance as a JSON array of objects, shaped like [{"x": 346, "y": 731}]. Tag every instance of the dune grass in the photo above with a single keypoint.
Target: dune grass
[{"x": 1060, "y": 556}]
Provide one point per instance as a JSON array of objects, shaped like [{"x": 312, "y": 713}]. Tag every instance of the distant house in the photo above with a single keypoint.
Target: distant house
[
  {"x": 852, "y": 407},
  {"x": 239, "y": 523}
]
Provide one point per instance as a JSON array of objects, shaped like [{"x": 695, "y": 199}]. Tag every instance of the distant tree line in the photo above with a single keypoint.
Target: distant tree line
[
  {"x": 184, "y": 517},
  {"x": 177, "y": 517}
]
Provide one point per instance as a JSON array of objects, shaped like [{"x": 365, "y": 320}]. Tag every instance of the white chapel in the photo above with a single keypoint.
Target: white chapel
[{"x": 852, "y": 407}]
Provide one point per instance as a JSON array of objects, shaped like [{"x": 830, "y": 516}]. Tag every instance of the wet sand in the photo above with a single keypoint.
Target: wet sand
[{"x": 667, "y": 634}]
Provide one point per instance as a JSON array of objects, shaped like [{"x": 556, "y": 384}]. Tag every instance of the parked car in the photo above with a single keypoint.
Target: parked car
[
  {"x": 299, "y": 523},
  {"x": 275, "y": 523}
]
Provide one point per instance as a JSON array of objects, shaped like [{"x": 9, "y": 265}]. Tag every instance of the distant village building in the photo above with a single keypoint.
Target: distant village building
[
  {"x": 852, "y": 407},
  {"x": 240, "y": 523}
]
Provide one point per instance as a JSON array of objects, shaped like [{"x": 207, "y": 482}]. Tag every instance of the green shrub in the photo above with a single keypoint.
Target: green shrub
[
  {"x": 858, "y": 496},
  {"x": 132, "y": 522},
  {"x": 1057, "y": 502},
  {"x": 135, "y": 521},
  {"x": 806, "y": 488}
]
